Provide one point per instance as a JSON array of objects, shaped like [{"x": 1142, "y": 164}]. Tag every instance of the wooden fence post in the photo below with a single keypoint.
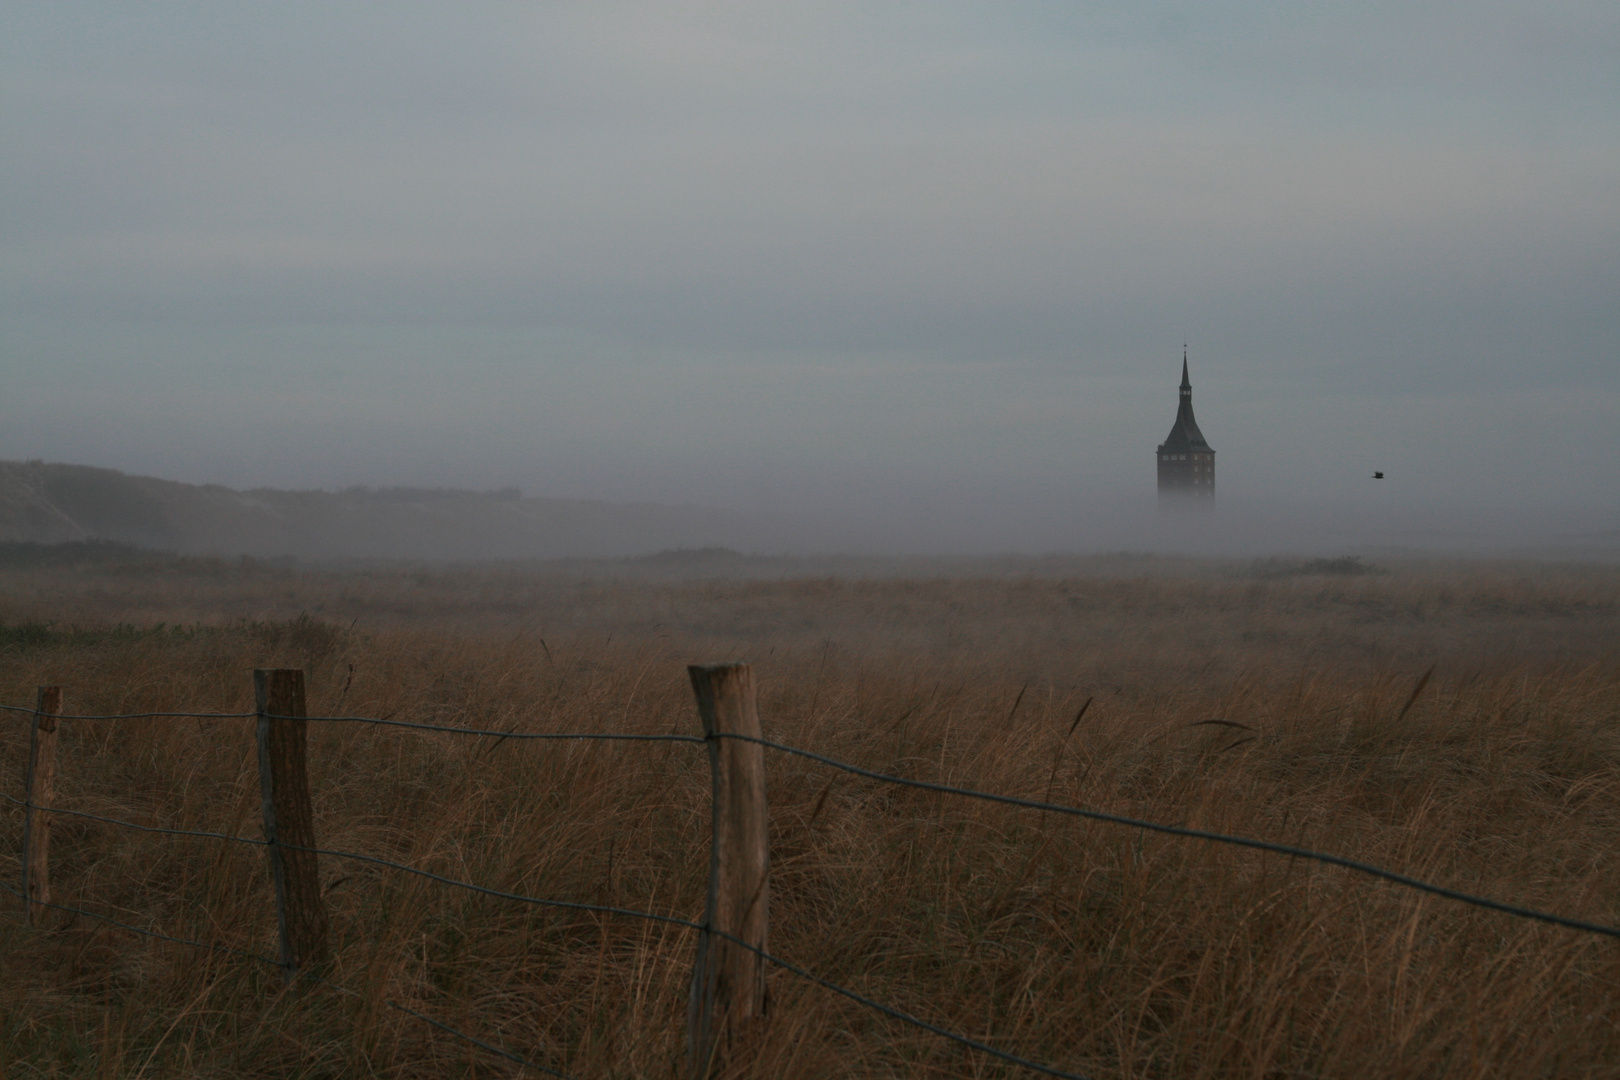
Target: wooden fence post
[
  {"x": 728, "y": 981},
  {"x": 289, "y": 817},
  {"x": 38, "y": 794}
]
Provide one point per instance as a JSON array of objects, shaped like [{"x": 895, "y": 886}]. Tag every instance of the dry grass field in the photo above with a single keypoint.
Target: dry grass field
[{"x": 1099, "y": 949}]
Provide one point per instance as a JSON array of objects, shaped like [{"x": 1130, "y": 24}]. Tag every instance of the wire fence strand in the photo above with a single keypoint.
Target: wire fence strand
[
  {"x": 688, "y": 923},
  {"x": 898, "y": 1014},
  {"x": 135, "y": 716},
  {"x": 519, "y": 897},
  {"x": 130, "y": 824},
  {"x": 384, "y": 721},
  {"x": 491, "y": 1047},
  {"x": 600, "y": 736},
  {"x": 139, "y": 929},
  {"x": 1200, "y": 834}
]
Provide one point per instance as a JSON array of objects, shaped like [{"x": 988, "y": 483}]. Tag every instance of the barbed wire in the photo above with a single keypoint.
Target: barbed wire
[
  {"x": 1198, "y": 834},
  {"x": 130, "y": 824}
]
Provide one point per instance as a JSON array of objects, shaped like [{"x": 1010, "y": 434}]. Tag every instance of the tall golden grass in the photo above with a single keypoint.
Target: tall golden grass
[{"x": 1098, "y": 949}]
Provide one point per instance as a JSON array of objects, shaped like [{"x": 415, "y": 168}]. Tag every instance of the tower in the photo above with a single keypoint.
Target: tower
[{"x": 1186, "y": 461}]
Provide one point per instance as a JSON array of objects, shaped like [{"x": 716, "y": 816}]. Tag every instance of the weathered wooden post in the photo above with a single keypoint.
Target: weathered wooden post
[
  {"x": 289, "y": 819},
  {"x": 38, "y": 794},
  {"x": 728, "y": 980}
]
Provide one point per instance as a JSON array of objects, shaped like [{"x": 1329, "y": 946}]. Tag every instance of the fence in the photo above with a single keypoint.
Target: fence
[{"x": 727, "y": 998}]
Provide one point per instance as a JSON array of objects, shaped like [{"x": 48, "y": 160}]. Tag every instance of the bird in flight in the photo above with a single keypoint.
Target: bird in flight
[{"x": 1378, "y": 476}]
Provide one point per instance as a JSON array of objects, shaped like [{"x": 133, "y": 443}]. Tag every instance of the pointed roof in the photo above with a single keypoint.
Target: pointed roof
[{"x": 1185, "y": 434}]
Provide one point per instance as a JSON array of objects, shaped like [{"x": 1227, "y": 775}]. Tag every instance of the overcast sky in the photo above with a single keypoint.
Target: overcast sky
[{"x": 927, "y": 262}]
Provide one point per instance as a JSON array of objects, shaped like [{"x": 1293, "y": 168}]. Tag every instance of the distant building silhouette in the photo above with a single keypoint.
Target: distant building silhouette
[{"x": 1186, "y": 460}]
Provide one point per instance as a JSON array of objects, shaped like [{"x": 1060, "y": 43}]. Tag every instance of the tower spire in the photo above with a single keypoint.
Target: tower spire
[
  {"x": 1185, "y": 436},
  {"x": 1186, "y": 460}
]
